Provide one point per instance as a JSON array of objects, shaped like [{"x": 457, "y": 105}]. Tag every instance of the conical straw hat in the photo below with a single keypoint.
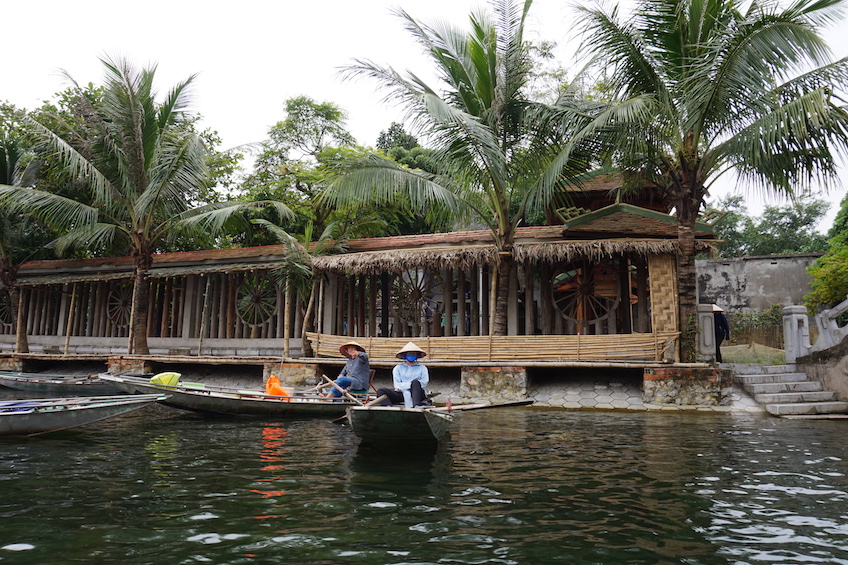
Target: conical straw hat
[
  {"x": 344, "y": 346},
  {"x": 410, "y": 348}
]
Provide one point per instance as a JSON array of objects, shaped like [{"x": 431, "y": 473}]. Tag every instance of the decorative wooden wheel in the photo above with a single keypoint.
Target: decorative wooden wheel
[
  {"x": 257, "y": 300},
  {"x": 6, "y": 316},
  {"x": 119, "y": 303},
  {"x": 412, "y": 295},
  {"x": 586, "y": 292}
]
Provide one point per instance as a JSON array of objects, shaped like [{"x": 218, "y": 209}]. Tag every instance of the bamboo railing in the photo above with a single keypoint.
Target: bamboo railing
[{"x": 643, "y": 347}]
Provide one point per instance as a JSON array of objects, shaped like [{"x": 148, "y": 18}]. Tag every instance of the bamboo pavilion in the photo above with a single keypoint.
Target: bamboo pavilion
[{"x": 599, "y": 287}]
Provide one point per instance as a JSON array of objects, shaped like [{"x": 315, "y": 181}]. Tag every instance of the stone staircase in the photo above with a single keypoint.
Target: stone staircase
[{"x": 785, "y": 392}]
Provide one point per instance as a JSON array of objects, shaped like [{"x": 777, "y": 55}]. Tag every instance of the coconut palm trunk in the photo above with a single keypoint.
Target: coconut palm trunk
[
  {"x": 21, "y": 340},
  {"x": 139, "y": 309}
]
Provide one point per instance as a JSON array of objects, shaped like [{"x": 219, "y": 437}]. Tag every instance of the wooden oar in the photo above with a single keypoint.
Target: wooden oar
[
  {"x": 343, "y": 391},
  {"x": 377, "y": 400},
  {"x": 322, "y": 386},
  {"x": 459, "y": 407}
]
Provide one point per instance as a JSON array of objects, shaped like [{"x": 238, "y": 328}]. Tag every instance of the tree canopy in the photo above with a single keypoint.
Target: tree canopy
[{"x": 789, "y": 228}]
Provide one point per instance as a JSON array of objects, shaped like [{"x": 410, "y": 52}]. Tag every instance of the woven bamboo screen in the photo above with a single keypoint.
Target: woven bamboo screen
[{"x": 661, "y": 271}]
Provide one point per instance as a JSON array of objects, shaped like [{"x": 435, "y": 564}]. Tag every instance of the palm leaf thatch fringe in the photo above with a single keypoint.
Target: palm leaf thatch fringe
[
  {"x": 432, "y": 258},
  {"x": 595, "y": 250},
  {"x": 399, "y": 261}
]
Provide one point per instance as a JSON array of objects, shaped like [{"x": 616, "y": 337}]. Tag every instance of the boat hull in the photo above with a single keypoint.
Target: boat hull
[
  {"x": 27, "y": 417},
  {"x": 62, "y": 385},
  {"x": 233, "y": 402},
  {"x": 398, "y": 424}
]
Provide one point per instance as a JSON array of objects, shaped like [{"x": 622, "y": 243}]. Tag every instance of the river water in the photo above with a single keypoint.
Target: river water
[{"x": 511, "y": 486}]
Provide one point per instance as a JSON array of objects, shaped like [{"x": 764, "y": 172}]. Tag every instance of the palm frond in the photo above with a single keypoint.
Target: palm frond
[
  {"x": 214, "y": 217},
  {"x": 76, "y": 164},
  {"x": 50, "y": 208},
  {"x": 89, "y": 236}
]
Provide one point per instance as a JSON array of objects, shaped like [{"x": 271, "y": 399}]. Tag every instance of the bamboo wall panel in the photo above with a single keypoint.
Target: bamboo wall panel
[
  {"x": 661, "y": 272},
  {"x": 653, "y": 347}
]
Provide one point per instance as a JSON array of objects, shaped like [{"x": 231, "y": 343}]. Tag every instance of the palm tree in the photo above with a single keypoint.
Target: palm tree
[
  {"x": 11, "y": 235},
  {"x": 140, "y": 162},
  {"x": 495, "y": 150},
  {"x": 707, "y": 87},
  {"x": 295, "y": 272}
]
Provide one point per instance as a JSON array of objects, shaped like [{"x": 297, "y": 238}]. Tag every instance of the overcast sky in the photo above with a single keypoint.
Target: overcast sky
[{"x": 250, "y": 55}]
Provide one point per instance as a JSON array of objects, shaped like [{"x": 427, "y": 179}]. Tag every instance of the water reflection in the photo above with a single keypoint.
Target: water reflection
[{"x": 512, "y": 486}]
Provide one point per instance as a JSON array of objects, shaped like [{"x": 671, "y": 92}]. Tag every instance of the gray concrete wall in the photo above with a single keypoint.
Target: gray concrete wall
[
  {"x": 753, "y": 284},
  {"x": 830, "y": 367}
]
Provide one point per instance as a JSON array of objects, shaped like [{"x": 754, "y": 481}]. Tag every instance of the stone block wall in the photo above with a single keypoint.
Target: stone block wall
[
  {"x": 121, "y": 366},
  {"x": 293, "y": 374},
  {"x": 11, "y": 364},
  {"x": 687, "y": 386},
  {"x": 493, "y": 384}
]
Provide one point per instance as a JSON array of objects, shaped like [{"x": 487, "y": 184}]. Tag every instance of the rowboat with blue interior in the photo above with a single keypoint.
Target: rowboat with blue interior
[
  {"x": 56, "y": 383},
  {"x": 32, "y": 416}
]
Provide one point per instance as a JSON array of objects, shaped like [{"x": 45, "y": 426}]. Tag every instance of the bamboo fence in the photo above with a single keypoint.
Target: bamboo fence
[{"x": 645, "y": 347}]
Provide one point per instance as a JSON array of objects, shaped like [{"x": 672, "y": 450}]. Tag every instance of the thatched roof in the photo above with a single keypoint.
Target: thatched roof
[
  {"x": 592, "y": 249},
  {"x": 398, "y": 261},
  {"x": 435, "y": 258}
]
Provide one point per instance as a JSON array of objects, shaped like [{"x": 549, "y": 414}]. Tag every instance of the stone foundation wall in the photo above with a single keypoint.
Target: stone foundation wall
[
  {"x": 493, "y": 384},
  {"x": 687, "y": 387},
  {"x": 293, "y": 374},
  {"x": 11, "y": 364},
  {"x": 118, "y": 366}
]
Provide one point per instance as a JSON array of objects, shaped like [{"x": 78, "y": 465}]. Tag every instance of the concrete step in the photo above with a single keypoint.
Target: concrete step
[
  {"x": 796, "y": 397},
  {"x": 807, "y": 408},
  {"x": 746, "y": 380},
  {"x": 742, "y": 369},
  {"x": 770, "y": 388}
]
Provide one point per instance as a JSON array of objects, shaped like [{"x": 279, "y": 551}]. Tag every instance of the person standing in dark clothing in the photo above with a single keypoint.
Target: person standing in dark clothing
[{"x": 722, "y": 329}]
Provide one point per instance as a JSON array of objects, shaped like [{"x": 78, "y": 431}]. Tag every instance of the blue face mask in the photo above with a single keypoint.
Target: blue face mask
[{"x": 411, "y": 357}]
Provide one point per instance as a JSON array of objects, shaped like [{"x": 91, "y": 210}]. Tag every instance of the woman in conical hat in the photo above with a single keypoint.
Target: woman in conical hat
[
  {"x": 356, "y": 372},
  {"x": 410, "y": 348},
  {"x": 410, "y": 379}
]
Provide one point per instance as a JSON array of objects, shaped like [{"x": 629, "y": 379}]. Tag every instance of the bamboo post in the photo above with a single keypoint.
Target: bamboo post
[
  {"x": 287, "y": 322},
  {"x": 203, "y": 317},
  {"x": 529, "y": 302},
  {"x": 70, "y": 318},
  {"x": 131, "y": 331}
]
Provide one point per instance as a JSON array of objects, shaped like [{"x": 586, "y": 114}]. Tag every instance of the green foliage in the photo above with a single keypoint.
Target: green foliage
[
  {"x": 548, "y": 80},
  {"x": 829, "y": 279},
  {"x": 780, "y": 229},
  {"x": 829, "y": 274},
  {"x": 394, "y": 137},
  {"x": 764, "y": 328},
  {"x": 741, "y": 322},
  {"x": 21, "y": 237}
]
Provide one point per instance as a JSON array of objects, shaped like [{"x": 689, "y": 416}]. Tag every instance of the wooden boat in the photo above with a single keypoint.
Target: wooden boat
[
  {"x": 375, "y": 423},
  {"x": 201, "y": 397},
  {"x": 31, "y": 416},
  {"x": 64, "y": 385}
]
